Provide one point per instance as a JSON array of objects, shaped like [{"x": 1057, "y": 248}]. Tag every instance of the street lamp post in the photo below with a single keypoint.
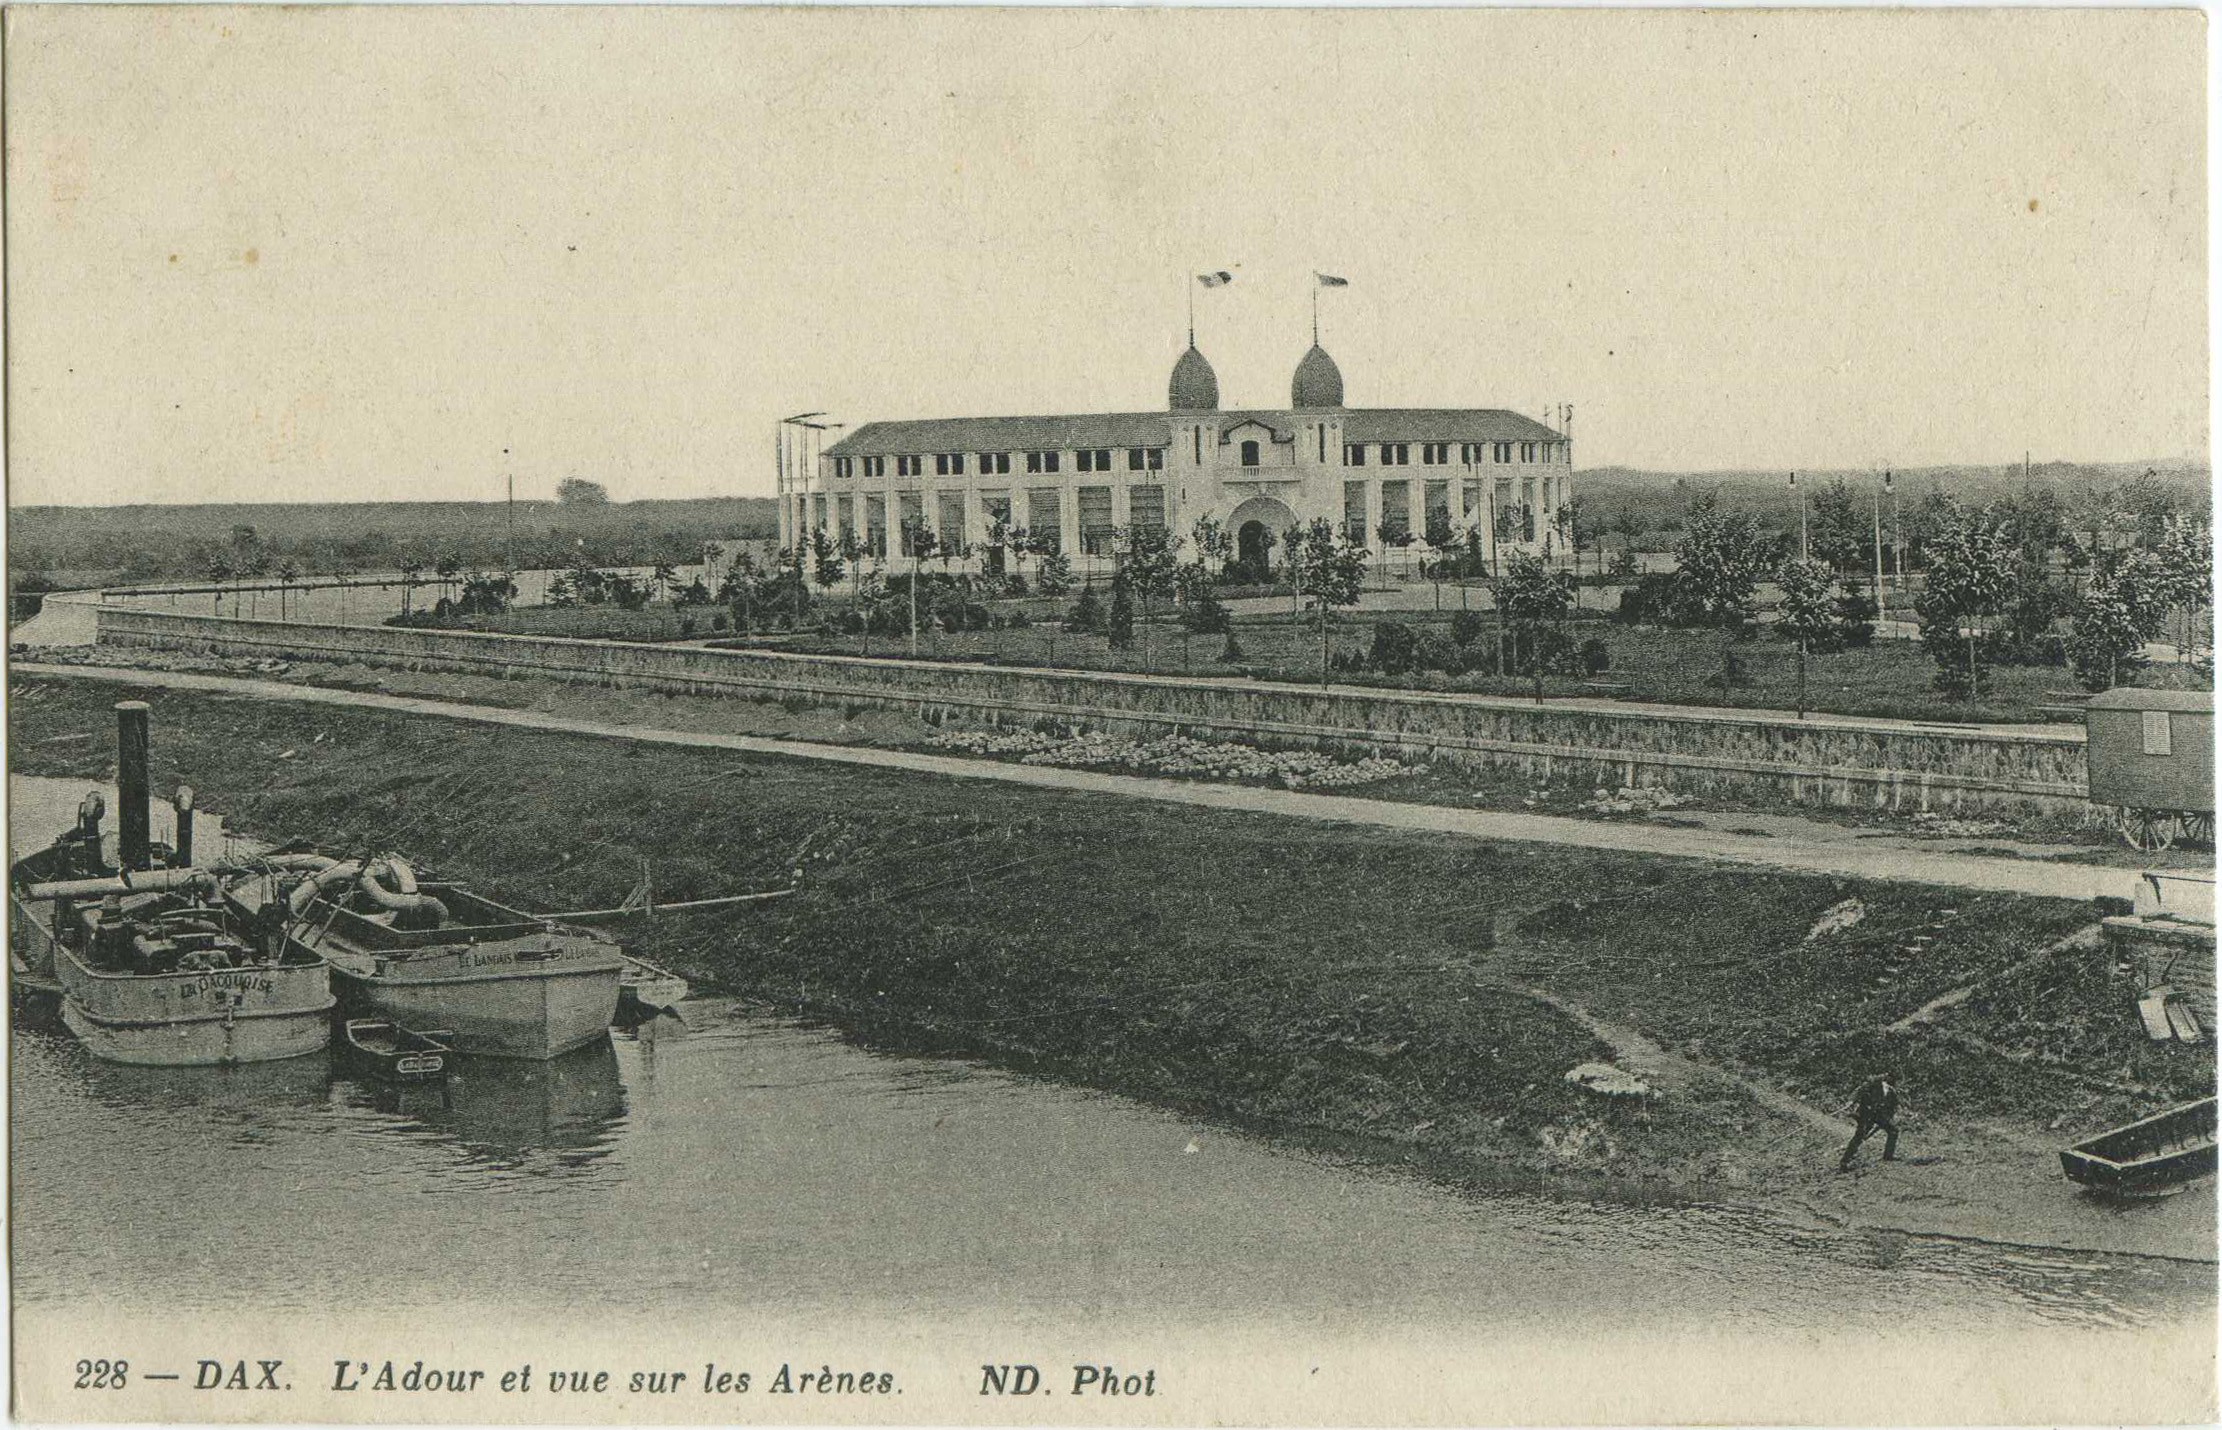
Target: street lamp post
[{"x": 1880, "y": 611}]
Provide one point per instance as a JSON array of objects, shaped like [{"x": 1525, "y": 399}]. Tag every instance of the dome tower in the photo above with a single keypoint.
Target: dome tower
[
  {"x": 1195, "y": 387},
  {"x": 1318, "y": 381}
]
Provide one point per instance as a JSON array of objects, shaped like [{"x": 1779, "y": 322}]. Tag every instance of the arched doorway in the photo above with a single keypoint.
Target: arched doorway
[{"x": 1258, "y": 525}]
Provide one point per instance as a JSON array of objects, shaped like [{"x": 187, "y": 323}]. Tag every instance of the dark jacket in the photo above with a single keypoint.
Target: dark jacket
[{"x": 1876, "y": 1102}]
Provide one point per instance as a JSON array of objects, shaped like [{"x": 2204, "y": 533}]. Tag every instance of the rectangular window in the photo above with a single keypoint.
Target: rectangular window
[
  {"x": 841, "y": 468},
  {"x": 1323, "y": 443},
  {"x": 1396, "y": 509},
  {"x": 1434, "y": 454},
  {"x": 1095, "y": 520},
  {"x": 818, "y": 522},
  {"x": 910, "y": 519},
  {"x": 1473, "y": 502},
  {"x": 2157, "y": 740},
  {"x": 995, "y": 464},
  {"x": 875, "y": 523},
  {"x": 1353, "y": 454},
  {"x": 1527, "y": 451},
  {"x": 875, "y": 466},
  {"x": 1469, "y": 451},
  {"x": 1354, "y": 511},
  {"x": 995, "y": 510},
  {"x": 1083, "y": 460},
  {"x": 1437, "y": 498},
  {"x": 1045, "y": 516},
  {"x": 1041, "y": 461},
  {"x": 1504, "y": 451},
  {"x": 909, "y": 466},
  {"x": 949, "y": 520},
  {"x": 1395, "y": 454},
  {"x": 1134, "y": 459},
  {"x": 1145, "y": 506},
  {"x": 948, "y": 464},
  {"x": 1103, "y": 459}
]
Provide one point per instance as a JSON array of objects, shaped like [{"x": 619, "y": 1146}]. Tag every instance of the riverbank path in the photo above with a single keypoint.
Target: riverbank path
[{"x": 1807, "y": 853}]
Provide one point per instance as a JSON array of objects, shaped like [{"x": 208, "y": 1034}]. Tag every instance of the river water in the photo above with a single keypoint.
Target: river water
[{"x": 726, "y": 1158}]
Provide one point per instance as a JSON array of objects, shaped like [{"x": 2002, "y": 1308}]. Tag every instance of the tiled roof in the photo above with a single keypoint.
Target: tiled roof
[
  {"x": 1155, "y": 429},
  {"x": 1006, "y": 434},
  {"x": 1441, "y": 424}
]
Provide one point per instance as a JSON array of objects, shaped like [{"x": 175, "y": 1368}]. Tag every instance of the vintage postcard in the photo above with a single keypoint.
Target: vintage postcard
[{"x": 1109, "y": 716}]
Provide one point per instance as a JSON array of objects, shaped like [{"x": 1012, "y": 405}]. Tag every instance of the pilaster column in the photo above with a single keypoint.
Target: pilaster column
[
  {"x": 1068, "y": 517},
  {"x": 1416, "y": 507},
  {"x": 1374, "y": 543}
]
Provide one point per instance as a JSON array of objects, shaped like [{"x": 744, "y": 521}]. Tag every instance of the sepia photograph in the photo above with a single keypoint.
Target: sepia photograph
[{"x": 1077, "y": 716}]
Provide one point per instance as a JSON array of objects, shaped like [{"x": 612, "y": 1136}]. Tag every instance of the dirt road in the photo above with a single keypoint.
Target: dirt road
[{"x": 1801, "y": 851}]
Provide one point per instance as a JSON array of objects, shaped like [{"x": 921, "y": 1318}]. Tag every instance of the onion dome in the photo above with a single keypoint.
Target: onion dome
[
  {"x": 1318, "y": 381},
  {"x": 1195, "y": 387}
]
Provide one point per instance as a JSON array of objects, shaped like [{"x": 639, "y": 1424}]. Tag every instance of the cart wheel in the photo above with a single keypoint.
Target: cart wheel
[
  {"x": 2148, "y": 830},
  {"x": 2198, "y": 829}
]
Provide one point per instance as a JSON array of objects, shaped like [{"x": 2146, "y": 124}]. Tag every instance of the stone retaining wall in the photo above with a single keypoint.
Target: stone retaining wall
[{"x": 1825, "y": 761}]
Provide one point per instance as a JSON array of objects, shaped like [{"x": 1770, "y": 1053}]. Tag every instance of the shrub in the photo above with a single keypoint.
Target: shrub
[
  {"x": 1231, "y": 652},
  {"x": 686, "y": 625},
  {"x": 1596, "y": 657},
  {"x": 1017, "y": 621},
  {"x": 1466, "y": 627},
  {"x": 1436, "y": 651},
  {"x": 718, "y": 621},
  {"x": 1087, "y": 613},
  {"x": 1395, "y": 648}
]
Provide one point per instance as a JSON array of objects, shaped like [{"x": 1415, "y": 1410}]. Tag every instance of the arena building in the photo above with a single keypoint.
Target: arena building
[{"x": 1077, "y": 480}]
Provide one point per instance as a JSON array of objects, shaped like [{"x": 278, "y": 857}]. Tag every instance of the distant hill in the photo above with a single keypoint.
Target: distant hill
[{"x": 145, "y": 541}]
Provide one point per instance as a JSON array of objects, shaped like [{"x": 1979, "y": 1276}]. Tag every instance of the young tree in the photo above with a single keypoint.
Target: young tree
[
  {"x": 1808, "y": 614},
  {"x": 289, "y": 571},
  {"x": 1532, "y": 598},
  {"x": 1152, "y": 559},
  {"x": 2185, "y": 561},
  {"x": 1329, "y": 570},
  {"x": 1971, "y": 575},
  {"x": 1442, "y": 539},
  {"x": 663, "y": 575},
  {"x": 2113, "y": 619},
  {"x": 1722, "y": 556},
  {"x": 827, "y": 567},
  {"x": 1837, "y": 530},
  {"x": 1118, "y": 627},
  {"x": 1053, "y": 573},
  {"x": 921, "y": 541},
  {"x": 1213, "y": 545},
  {"x": 578, "y": 491},
  {"x": 218, "y": 570}
]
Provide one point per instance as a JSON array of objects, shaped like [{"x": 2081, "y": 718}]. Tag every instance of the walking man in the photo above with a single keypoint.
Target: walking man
[{"x": 1876, "y": 1105}]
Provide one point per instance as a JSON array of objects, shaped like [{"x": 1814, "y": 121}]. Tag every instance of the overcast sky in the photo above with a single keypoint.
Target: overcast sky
[{"x": 356, "y": 253}]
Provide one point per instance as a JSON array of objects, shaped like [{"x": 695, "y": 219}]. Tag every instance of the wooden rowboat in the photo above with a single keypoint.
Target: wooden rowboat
[
  {"x": 2147, "y": 1157},
  {"x": 397, "y": 1054}
]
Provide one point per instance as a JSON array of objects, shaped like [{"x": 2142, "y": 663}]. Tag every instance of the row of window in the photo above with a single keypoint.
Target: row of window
[
  {"x": 996, "y": 464},
  {"x": 1152, "y": 459},
  {"x": 1437, "y": 454}
]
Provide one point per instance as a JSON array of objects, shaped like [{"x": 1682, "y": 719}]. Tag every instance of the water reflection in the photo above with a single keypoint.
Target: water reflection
[{"x": 509, "y": 1117}]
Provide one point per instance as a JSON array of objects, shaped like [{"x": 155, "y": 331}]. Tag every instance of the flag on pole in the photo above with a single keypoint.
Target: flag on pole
[
  {"x": 1219, "y": 279},
  {"x": 1329, "y": 280}
]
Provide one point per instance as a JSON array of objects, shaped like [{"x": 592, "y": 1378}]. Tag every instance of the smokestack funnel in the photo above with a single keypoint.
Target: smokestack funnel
[
  {"x": 184, "y": 856},
  {"x": 132, "y": 821}
]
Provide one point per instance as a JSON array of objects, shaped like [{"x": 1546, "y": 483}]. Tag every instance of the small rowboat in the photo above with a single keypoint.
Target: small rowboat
[
  {"x": 645, "y": 989},
  {"x": 398, "y": 1054},
  {"x": 2148, "y": 1157}
]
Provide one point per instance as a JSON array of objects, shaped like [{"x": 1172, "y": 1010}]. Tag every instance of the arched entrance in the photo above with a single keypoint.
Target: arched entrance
[{"x": 1258, "y": 526}]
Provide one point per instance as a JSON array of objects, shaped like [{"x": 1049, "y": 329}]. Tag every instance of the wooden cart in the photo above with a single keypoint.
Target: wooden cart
[{"x": 2151, "y": 755}]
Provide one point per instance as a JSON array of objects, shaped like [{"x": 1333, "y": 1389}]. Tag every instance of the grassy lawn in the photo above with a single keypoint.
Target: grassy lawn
[
  {"x": 1282, "y": 972},
  {"x": 1889, "y": 678}
]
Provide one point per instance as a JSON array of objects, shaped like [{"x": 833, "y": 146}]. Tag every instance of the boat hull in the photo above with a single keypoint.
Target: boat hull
[
  {"x": 207, "y": 1018},
  {"x": 2155, "y": 1155},
  {"x": 540, "y": 1014}
]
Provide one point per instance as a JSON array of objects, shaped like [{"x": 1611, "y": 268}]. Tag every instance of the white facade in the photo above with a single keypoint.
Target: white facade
[{"x": 1077, "y": 478}]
